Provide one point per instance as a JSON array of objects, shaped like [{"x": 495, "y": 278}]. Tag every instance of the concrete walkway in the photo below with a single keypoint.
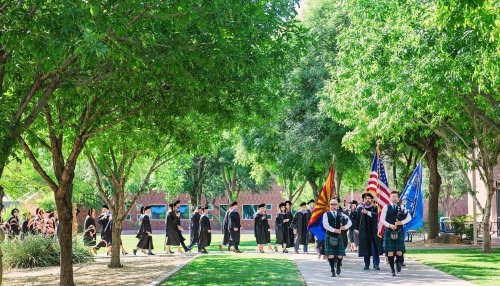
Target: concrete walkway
[{"x": 317, "y": 272}]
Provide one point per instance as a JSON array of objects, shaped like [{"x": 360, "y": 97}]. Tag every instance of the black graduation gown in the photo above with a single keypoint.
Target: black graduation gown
[
  {"x": 195, "y": 228},
  {"x": 225, "y": 229},
  {"x": 103, "y": 221},
  {"x": 181, "y": 237},
  {"x": 300, "y": 221},
  {"x": 289, "y": 236},
  {"x": 89, "y": 238},
  {"x": 367, "y": 227},
  {"x": 261, "y": 228},
  {"x": 145, "y": 241},
  {"x": 234, "y": 222},
  {"x": 310, "y": 235},
  {"x": 279, "y": 228},
  {"x": 204, "y": 234},
  {"x": 172, "y": 232}
]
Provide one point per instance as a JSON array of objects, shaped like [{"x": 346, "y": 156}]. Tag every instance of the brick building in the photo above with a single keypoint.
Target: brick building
[{"x": 247, "y": 206}]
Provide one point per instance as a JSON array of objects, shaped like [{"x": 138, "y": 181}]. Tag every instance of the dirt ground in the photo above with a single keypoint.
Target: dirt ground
[{"x": 137, "y": 270}]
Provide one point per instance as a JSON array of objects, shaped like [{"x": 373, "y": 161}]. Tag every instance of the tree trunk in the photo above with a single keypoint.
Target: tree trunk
[
  {"x": 314, "y": 186},
  {"x": 64, "y": 211},
  {"x": 486, "y": 219},
  {"x": 2, "y": 194},
  {"x": 338, "y": 182},
  {"x": 431, "y": 158},
  {"x": 116, "y": 234},
  {"x": 4, "y": 156}
]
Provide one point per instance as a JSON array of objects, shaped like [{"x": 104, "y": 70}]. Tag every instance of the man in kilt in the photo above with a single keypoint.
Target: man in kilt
[
  {"x": 335, "y": 222},
  {"x": 393, "y": 217}
]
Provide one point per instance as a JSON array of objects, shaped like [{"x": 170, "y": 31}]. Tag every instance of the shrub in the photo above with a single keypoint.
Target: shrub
[
  {"x": 463, "y": 225},
  {"x": 39, "y": 251}
]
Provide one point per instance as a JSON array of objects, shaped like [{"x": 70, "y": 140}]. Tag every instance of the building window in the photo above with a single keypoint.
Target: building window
[
  {"x": 184, "y": 211},
  {"x": 138, "y": 207},
  {"x": 250, "y": 210},
  {"x": 129, "y": 217},
  {"x": 158, "y": 212},
  {"x": 139, "y": 217},
  {"x": 210, "y": 216},
  {"x": 222, "y": 211},
  {"x": 210, "y": 207}
]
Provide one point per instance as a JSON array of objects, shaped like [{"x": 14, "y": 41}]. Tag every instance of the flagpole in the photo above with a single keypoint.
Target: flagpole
[{"x": 423, "y": 155}]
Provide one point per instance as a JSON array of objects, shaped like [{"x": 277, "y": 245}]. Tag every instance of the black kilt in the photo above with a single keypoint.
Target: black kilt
[
  {"x": 338, "y": 250},
  {"x": 393, "y": 245}
]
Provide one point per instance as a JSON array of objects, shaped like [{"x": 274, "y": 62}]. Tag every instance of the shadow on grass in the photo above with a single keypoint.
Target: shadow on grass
[{"x": 234, "y": 270}]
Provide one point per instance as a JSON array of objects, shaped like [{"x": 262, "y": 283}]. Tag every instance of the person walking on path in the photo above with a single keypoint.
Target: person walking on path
[
  {"x": 172, "y": 231},
  {"x": 369, "y": 242},
  {"x": 205, "y": 231},
  {"x": 393, "y": 217},
  {"x": 195, "y": 228},
  {"x": 299, "y": 225},
  {"x": 281, "y": 228},
  {"x": 289, "y": 218},
  {"x": 353, "y": 232},
  {"x": 145, "y": 234},
  {"x": 335, "y": 222},
  {"x": 261, "y": 227},
  {"x": 225, "y": 230},
  {"x": 234, "y": 227}
]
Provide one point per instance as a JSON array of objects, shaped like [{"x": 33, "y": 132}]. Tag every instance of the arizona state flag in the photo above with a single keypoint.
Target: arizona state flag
[{"x": 315, "y": 225}]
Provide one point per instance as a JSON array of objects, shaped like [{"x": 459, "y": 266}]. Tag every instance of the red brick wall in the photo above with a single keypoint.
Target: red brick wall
[{"x": 272, "y": 197}]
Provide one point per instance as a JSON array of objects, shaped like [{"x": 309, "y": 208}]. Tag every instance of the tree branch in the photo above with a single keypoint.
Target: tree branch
[{"x": 27, "y": 151}]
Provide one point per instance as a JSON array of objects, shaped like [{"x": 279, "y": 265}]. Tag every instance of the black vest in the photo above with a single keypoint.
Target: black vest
[
  {"x": 334, "y": 222},
  {"x": 392, "y": 213}
]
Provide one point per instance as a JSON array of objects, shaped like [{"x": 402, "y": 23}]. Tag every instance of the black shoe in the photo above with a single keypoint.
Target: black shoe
[
  {"x": 403, "y": 265},
  {"x": 151, "y": 253},
  {"x": 204, "y": 251},
  {"x": 338, "y": 269},
  {"x": 393, "y": 273},
  {"x": 398, "y": 267},
  {"x": 333, "y": 274},
  {"x": 134, "y": 251},
  {"x": 376, "y": 267},
  {"x": 366, "y": 268}
]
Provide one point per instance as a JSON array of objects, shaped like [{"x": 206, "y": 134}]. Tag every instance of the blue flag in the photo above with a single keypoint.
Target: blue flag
[{"x": 414, "y": 197}]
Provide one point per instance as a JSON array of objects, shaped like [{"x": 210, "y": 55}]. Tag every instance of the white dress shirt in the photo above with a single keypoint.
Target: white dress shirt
[
  {"x": 384, "y": 214},
  {"x": 328, "y": 227}
]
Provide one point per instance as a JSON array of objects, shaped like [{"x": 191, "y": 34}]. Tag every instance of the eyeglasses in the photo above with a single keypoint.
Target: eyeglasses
[{"x": 333, "y": 204}]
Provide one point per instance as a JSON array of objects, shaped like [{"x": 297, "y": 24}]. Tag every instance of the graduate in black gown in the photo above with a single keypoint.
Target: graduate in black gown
[
  {"x": 104, "y": 222},
  {"x": 367, "y": 224},
  {"x": 289, "y": 218},
  {"x": 279, "y": 228},
  {"x": 89, "y": 230},
  {"x": 195, "y": 228},
  {"x": 205, "y": 231},
  {"x": 172, "y": 231},
  {"x": 180, "y": 229},
  {"x": 299, "y": 225},
  {"x": 261, "y": 227},
  {"x": 225, "y": 230},
  {"x": 234, "y": 227},
  {"x": 146, "y": 234}
]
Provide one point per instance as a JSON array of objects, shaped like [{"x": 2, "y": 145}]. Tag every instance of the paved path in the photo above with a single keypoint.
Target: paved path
[{"x": 317, "y": 272}]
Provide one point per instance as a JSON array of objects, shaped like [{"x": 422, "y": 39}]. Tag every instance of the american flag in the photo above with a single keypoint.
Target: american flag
[{"x": 378, "y": 186}]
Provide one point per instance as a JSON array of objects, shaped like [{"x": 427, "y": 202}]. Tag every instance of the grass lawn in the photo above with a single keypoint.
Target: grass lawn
[
  {"x": 237, "y": 270},
  {"x": 468, "y": 264}
]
